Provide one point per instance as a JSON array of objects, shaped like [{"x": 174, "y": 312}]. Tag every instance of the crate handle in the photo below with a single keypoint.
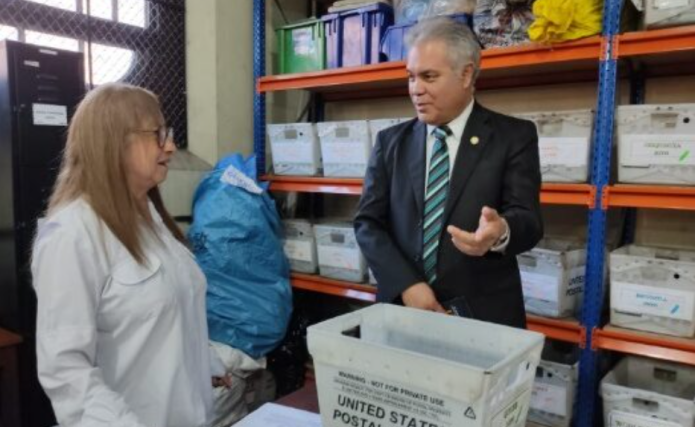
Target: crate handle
[{"x": 645, "y": 404}]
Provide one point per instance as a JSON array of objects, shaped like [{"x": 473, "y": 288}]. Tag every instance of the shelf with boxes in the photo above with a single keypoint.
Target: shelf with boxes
[{"x": 551, "y": 193}]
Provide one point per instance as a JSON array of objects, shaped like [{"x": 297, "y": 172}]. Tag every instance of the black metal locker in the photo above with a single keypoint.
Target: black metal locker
[{"x": 39, "y": 90}]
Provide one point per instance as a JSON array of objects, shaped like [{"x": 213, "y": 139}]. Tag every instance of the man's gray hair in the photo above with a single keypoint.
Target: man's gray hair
[{"x": 462, "y": 45}]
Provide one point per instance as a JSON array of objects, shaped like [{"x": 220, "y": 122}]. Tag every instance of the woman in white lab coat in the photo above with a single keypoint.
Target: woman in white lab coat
[{"x": 122, "y": 338}]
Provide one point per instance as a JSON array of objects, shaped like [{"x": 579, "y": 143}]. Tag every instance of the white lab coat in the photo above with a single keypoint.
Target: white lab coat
[{"x": 119, "y": 344}]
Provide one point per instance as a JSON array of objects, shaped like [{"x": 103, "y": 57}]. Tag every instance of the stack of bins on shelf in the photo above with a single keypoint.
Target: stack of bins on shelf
[
  {"x": 553, "y": 397},
  {"x": 666, "y": 13},
  {"x": 650, "y": 393},
  {"x": 328, "y": 248},
  {"x": 652, "y": 289}
]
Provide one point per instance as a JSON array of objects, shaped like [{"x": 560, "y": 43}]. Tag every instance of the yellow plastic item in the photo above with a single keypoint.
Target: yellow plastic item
[{"x": 562, "y": 20}]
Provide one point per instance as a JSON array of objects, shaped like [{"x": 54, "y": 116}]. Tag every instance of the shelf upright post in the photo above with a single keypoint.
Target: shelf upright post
[
  {"x": 258, "y": 72},
  {"x": 601, "y": 160}
]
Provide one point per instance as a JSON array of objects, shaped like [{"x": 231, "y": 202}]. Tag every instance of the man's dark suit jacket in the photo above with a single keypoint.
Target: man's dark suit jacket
[{"x": 501, "y": 171}]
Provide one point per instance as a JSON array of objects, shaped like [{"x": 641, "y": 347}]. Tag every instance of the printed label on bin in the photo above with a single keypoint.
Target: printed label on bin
[
  {"x": 564, "y": 151},
  {"x": 337, "y": 257},
  {"x": 50, "y": 115},
  {"x": 540, "y": 286},
  {"x": 295, "y": 152},
  {"x": 549, "y": 398},
  {"x": 514, "y": 414},
  {"x": 625, "y": 419},
  {"x": 299, "y": 250},
  {"x": 348, "y": 152},
  {"x": 576, "y": 281},
  {"x": 640, "y": 299},
  {"x": 303, "y": 42},
  {"x": 670, "y": 4},
  {"x": 354, "y": 399},
  {"x": 645, "y": 150}
]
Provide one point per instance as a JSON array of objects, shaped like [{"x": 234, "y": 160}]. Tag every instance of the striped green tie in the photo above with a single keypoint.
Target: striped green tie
[{"x": 435, "y": 201}]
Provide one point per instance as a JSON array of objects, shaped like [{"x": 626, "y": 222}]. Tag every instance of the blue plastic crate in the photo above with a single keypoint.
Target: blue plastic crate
[
  {"x": 393, "y": 46},
  {"x": 353, "y": 37}
]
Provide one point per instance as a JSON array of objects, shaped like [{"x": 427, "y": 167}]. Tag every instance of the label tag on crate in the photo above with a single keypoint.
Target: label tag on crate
[
  {"x": 640, "y": 299},
  {"x": 293, "y": 152},
  {"x": 540, "y": 286},
  {"x": 355, "y": 399},
  {"x": 549, "y": 398},
  {"x": 670, "y": 4},
  {"x": 645, "y": 150},
  {"x": 339, "y": 257},
  {"x": 303, "y": 42},
  {"x": 514, "y": 413},
  {"x": 564, "y": 151},
  {"x": 50, "y": 115},
  {"x": 299, "y": 250},
  {"x": 625, "y": 419}
]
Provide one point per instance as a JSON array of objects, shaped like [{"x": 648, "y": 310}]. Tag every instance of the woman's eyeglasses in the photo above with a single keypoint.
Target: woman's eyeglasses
[{"x": 163, "y": 133}]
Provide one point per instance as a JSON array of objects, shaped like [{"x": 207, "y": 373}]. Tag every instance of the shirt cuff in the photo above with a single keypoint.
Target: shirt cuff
[{"x": 501, "y": 245}]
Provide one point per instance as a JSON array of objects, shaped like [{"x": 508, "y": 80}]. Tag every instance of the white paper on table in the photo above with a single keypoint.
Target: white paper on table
[{"x": 274, "y": 415}]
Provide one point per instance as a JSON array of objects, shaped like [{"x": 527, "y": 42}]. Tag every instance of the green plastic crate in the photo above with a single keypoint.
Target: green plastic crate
[{"x": 302, "y": 47}]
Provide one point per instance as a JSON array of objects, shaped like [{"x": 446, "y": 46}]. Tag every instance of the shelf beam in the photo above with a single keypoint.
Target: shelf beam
[
  {"x": 656, "y": 197},
  {"x": 563, "y": 330},
  {"x": 671, "y": 349},
  {"x": 656, "y": 42}
]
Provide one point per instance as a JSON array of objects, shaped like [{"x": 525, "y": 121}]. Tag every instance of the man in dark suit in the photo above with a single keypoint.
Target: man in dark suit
[{"x": 451, "y": 198}]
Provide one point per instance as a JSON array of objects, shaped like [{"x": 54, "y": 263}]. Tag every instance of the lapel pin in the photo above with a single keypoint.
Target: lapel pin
[{"x": 475, "y": 140}]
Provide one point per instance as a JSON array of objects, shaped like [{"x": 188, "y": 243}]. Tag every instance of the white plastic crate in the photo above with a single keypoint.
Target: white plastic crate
[
  {"x": 376, "y": 126},
  {"x": 666, "y": 13},
  {"x": 552, "y": 277},
  {"x": 656, "y": 144},
  {"x": 300, "y": 246},
  {"x": 564, "y": 143},
  {"x": 553, "y": 397},
  {"x": 345, "y": 148},
  {"x": 653, "y": 290},
  {"x": 338, "y": 252},
  {"x": 384, "y": 365},
  {"x": 642, "y": 392},
  {"x": 295, "y": 149}
]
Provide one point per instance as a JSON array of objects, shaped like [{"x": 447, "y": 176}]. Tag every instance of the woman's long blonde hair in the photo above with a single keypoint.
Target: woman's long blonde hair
[{"x": 93, "y": 162}]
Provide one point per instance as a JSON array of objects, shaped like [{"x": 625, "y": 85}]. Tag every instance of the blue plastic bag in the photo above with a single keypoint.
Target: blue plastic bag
[{"x": 235, "y": 236}]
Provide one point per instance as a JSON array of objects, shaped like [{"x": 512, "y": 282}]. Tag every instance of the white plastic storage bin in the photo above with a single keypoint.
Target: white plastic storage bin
[
  {"x": 376, "y": 126},
  {"x": 345, "y": 147},
  {"x": 554, "y": 390},
  {"x": 393, "y": 366},
  {"x": 656, "y": 144},
  {"x": 648, "y": 393},
  {"x": 666, "y": 13},
  {"x": 300, "y": 246},
  {"x": 552, "y": 277},
  {"x": 564, "y": 142},
  {"x": 295, "y": 149},
  {"x": 338, "y": 253},
  {"x": 653, "y": 290}
]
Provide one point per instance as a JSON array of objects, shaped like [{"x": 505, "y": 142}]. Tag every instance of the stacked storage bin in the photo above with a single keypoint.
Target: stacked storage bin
[
  {"x": 648, "y": 393},
  {"x": 564, "y": 144},
  {"x": 300, "y": 246},
  {"x": 301, "y": 47},
  {"x": 656, "y": 144},
  {"x": 345, "y": 148},
  {"x": 653, "y": 290},
  {"x": 353, "y": 36},
  {"x": 666, "y": 13},
  {"x": 552, "y": 277},
  {"x": 339, "y": 255},
  {"x": 553, "y": 398},
  {"x": 295, "y": 149}
]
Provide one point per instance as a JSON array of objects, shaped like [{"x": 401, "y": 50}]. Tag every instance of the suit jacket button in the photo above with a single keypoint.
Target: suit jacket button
[
  {"x": 419, "y": 223},
  {"x": 416, "y": 258}
]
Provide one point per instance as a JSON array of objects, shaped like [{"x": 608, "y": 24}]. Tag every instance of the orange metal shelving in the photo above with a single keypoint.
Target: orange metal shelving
[
  {"x": 393, "y": 74},
  {"x": 557, "y": 194},
  {"x": 657, "y": 42},
  {"x": 339, "y": 288},
  {"x": 560, "y": 329},
  {"x": 681, "y": 350},
  {"x": 653, "y": 196}
]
